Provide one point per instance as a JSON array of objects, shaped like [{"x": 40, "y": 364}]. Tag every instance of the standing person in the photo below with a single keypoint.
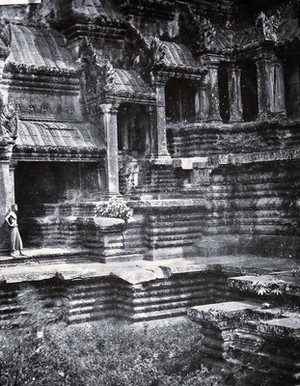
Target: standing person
[{"x": 15, "y": 238}]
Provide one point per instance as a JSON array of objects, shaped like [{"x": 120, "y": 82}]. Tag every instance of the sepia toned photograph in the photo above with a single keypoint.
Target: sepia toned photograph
[{"x": 149, "y": 192}]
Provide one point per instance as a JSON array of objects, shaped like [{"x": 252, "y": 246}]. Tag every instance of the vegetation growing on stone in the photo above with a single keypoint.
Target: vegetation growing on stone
[
  {"x": 114, "y": 209},
  {"x": 44, "y": 351}
]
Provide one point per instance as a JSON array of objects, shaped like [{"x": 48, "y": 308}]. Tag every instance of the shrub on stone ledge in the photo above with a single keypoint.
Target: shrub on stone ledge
[{"x": 115, "y": 209}]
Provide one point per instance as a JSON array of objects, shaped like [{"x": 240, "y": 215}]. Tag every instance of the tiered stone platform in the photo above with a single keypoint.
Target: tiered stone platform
[
  {"x": 135, "y": 290},
  {"x": 248, "y": 306}
]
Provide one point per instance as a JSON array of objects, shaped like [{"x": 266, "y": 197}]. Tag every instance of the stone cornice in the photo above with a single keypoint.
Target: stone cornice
[
  {"x": 48, "y": 153},
  {"x": 77, "y": 20},
  {"x": 22, "y": 68},
  {"x": 256, "y": 157}
]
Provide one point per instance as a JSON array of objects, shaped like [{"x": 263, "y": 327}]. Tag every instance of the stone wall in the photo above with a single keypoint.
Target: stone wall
[
  {"x": 255, "y": 209},
  {"x": 203, "y": 139}
]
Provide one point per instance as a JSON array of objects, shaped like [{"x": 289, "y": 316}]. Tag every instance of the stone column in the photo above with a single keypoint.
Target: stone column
[
  {"x": 12, "y": 168},
  {"x": 6, "y": 192},
  {"x": 235, "y": 95},
  {"x": 152, "y": 132},
  {"x": 212, "y": 90},
  {"x": 109, "y": 121},
  {"x": 271, "y": 88},
  {"x": 162, "y": 154},
  {"x": 202, "y": 101},
  {"x": 125, "y": 137}
]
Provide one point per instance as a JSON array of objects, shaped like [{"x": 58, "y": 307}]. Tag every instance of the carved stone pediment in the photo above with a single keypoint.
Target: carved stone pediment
[
  {"x": 198, "y": 32},
  {"x": 156, "y": 53},
  {"x": 144, "y": 54},
  {"x": 98, "y": 73},
  {"x": 268, "y": 26}
]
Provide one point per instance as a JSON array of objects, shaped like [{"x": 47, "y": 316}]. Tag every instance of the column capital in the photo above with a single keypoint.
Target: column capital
[
  {"x": 6, "y": 149},
  {"x": 159, "y": 79},
  {"x": 12, "y": 165},
  {"x": 211, "y": 60},
  {"x": 234, "y": 66},
  {"x": 109, "y": 107}
]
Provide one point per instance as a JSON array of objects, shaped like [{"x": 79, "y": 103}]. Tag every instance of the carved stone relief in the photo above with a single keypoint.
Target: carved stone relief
[
  {"x": 8, "y": 123},
  {"x": 97, "y": 70},
  {"x": 268, "y": 26}
]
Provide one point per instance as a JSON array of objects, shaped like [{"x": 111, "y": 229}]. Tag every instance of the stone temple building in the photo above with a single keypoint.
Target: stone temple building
[
  {"x": 187, "y": 110},
  {"x": 184, "y": 113}
]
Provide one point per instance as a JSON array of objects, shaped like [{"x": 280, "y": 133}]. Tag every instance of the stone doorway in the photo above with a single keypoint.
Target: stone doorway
[
  {"x": 41, "y": 187},
  {"x": 133, "y": 145},
  {"x": 249, "y": 91}
]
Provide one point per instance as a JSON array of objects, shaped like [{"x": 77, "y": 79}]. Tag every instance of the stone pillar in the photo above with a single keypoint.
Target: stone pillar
[
  {"x": 109, "y": 121},
  {"x": 12, "y": 168},
  {"x": 6, "y": 192},
  {"x": 271, "y": 88},
  {"x": 202, "y": 101},
  {"x": 213, "y": 91},
  {"x": 162, "y": 154},
  {"x": 152, "y": 132},
  {"x": 235, "y": 95},
  {"x": 125, "y": 138}
]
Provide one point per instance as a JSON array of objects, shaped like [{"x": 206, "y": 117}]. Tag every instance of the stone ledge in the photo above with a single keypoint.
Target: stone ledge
[
  {"x": 223, "y": 315},
  {"x": 169, "y": 204},
  {"x": 188, "y": 163},
  {"x": 288, "y": 327},
  {"x": 262, "y": 156},
  {"x": 108, "y": 223},
  {"x": 276, "y": 284}
]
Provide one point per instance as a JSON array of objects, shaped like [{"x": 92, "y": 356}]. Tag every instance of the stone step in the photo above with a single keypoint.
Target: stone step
[
  {"x": 47, "y": 256},
  {"x": 273, "y": 285},
  {"x": 89, "y": 317},
  {"x": 120, "y": 257}
]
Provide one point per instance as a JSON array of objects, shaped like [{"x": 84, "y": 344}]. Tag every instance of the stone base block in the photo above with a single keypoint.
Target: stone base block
[{"x": 170, "y": 253}]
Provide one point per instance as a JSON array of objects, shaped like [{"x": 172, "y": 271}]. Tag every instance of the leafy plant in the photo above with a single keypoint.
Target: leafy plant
[
  {"x": 115, "y": 209},
  {"x": 274, "y": 287}
]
